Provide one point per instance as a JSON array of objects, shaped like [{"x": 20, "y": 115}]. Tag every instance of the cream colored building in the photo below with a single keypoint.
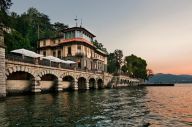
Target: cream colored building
[{"x": 75, "y": 44}]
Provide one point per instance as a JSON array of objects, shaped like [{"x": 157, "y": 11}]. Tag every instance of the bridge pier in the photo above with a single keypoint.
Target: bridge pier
[
  {"x": 2, "y": 66},
  {"x": 59, "y": 85},
  {"x": 36, "y": 88},
  {"x": 96, "y": 85},
  {"x": 75, "y": 85},
  {"x": 87, "y": 85}
]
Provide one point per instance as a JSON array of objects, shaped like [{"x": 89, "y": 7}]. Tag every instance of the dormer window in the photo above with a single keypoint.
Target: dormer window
[
  {"x": 44, "y": 42},
  {"x": 79, "y": 48},
  {"x": 69, "y": 51},
  {"x": 54, "y": 53}
]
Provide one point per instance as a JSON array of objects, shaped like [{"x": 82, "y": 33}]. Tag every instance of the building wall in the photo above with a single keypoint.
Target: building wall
[
  {"x": 46, "y": 85},
  {"x": 90, "y": 53},
  {"x": 2, "y": 66},
  {"x": 65, "y": 84},
  {"x": 18, "y": 86}
]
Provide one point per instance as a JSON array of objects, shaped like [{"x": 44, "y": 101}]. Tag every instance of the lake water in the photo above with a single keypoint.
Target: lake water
[{"x": 128, "y": 107}]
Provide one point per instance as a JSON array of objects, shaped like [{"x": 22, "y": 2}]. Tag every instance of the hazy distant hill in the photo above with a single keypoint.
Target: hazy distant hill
[{"x": 170, "y": 78}]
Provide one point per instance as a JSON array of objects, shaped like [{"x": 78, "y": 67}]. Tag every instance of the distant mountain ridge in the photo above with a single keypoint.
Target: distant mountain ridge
[{"x": 170, "y": 78}]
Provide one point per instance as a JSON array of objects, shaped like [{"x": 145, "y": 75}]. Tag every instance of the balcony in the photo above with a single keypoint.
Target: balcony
[{"x": 80, "y": 54}]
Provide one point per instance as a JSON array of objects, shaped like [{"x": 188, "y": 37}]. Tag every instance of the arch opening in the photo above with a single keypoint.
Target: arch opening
[
  {"x": 82, "y": 83},
  {"x": 100, "y": 83},
  {"x": 67, "y": 82},
  {"x": 92, "y": 84},
  {"x": 19, "y": 82},
  {"x": 48, "y": 82}
]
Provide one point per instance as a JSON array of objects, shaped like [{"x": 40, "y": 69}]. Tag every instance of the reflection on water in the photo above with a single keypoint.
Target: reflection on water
[{"x": 155, "y": 106}]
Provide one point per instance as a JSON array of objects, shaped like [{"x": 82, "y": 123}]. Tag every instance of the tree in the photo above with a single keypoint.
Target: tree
[
  {"x": 4, "y": 6},
  {"x": 15, "y": 40},
  {"x": 149, "y": 73},
  {"x": 118, "y": 58},
  {"x": 124, "y": 69},
  {"x": 111, "y": 63},
  {"x": 59, "y": 27},
  {"x": 136, "y": 66},
  {"x": 99, "y": 46}
]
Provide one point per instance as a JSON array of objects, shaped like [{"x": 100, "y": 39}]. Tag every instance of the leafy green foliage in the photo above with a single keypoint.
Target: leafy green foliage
[
  {"x": 111, "y": 67},
  {"x": 115, "y": 61},
  {"x": 15, "y": 40},
  {"x": 59, "y": 27},
  {"x": 124, "y": 69},
  {"x": 5, "y": 4},
  {"x": 99, "y": 46},
  {"x": 136, "y": 66},
  {"x": 118, "y": 57},
  {"x": 27, "y": 28}
]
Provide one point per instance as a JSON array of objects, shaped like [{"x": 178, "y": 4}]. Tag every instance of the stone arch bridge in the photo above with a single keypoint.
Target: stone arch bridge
[{"x": 25, "y": 77}]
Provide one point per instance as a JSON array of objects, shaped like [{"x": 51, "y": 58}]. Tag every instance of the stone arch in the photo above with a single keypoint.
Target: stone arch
[
  {"x": 68, "y": 74},
  {"x": 41, "y": 74},
  {"x": 82, "y": 83},
  {"x": 121, "y": 81},
  {"x": 19, "y": 79},
  {"x": 19, "y": 69},
  {"x": 48, "y": 80},
  {"x": 100, "y": 83},
  {"x": 68, "y": 82},
  {"x": 92, "y": 83},
  {"x": 92, "y": 77},
  {"x": 82, "y": 75}
]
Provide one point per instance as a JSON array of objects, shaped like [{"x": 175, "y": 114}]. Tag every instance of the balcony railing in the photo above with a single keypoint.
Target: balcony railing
[
  {"x": 20, "y": 58},
  {"x": 80, "y": 54},
  {"x": 45, "y": 62}
]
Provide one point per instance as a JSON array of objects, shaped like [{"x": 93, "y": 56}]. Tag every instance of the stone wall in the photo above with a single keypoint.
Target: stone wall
[
  {"x": 2, "y": 66},
  {"x": 46, "y": 85},
  {"x": 18, "y": 86},
  {"x": 38, "y": 71}
]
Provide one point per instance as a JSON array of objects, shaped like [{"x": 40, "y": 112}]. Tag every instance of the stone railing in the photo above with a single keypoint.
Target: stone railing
[{"x": 45, "y": 62}]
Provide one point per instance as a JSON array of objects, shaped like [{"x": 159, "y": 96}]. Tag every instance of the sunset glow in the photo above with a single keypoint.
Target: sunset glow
[{"x": 158, "y": 31}]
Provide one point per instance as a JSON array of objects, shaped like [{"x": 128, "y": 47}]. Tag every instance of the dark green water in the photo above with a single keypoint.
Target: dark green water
[{"x": 129, "y": 107}]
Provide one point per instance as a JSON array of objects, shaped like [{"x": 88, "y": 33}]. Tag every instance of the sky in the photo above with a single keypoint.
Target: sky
[{"x": 159, "y": 31}]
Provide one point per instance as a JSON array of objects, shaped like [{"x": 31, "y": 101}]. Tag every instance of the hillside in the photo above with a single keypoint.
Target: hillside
[{"x": 170, "y": 78}]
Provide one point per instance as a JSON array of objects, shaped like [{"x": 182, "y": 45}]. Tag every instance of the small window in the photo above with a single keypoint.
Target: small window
[
  {"x": 59, "y": 54},
  {"x": 44, "y": 53},
  {"x": 78, "y": 48},
  {"x": 69, "y": 50},
  {"x": 79, "y": 64},
  {"x": 44, "y": 42},
  {"x": 54, "y": 53}
]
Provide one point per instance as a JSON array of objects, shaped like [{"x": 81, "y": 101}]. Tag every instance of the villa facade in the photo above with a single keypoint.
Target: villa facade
[{"x": 75, "y": 44}]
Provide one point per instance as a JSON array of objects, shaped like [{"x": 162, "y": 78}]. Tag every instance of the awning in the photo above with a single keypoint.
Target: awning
[
  {"x": 26, "y": 52},
  {"x": 70, "y": 62},
  {"x": 54, "y": 59}
]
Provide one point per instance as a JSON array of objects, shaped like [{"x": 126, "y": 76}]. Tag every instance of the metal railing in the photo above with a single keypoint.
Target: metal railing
[
  {"x": 20, "y": 58},
  {"x": 45, "y": 62}
]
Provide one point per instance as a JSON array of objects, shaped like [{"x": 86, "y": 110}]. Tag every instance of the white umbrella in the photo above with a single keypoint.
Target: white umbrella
[
  {"x": 70, "y": 62},
  {"x": 26, "y": 52},
  {"x": 52, "y": 58}
]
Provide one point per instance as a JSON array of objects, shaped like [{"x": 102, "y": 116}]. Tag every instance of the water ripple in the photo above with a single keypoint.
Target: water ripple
[{"x": 131, "y": 107}]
